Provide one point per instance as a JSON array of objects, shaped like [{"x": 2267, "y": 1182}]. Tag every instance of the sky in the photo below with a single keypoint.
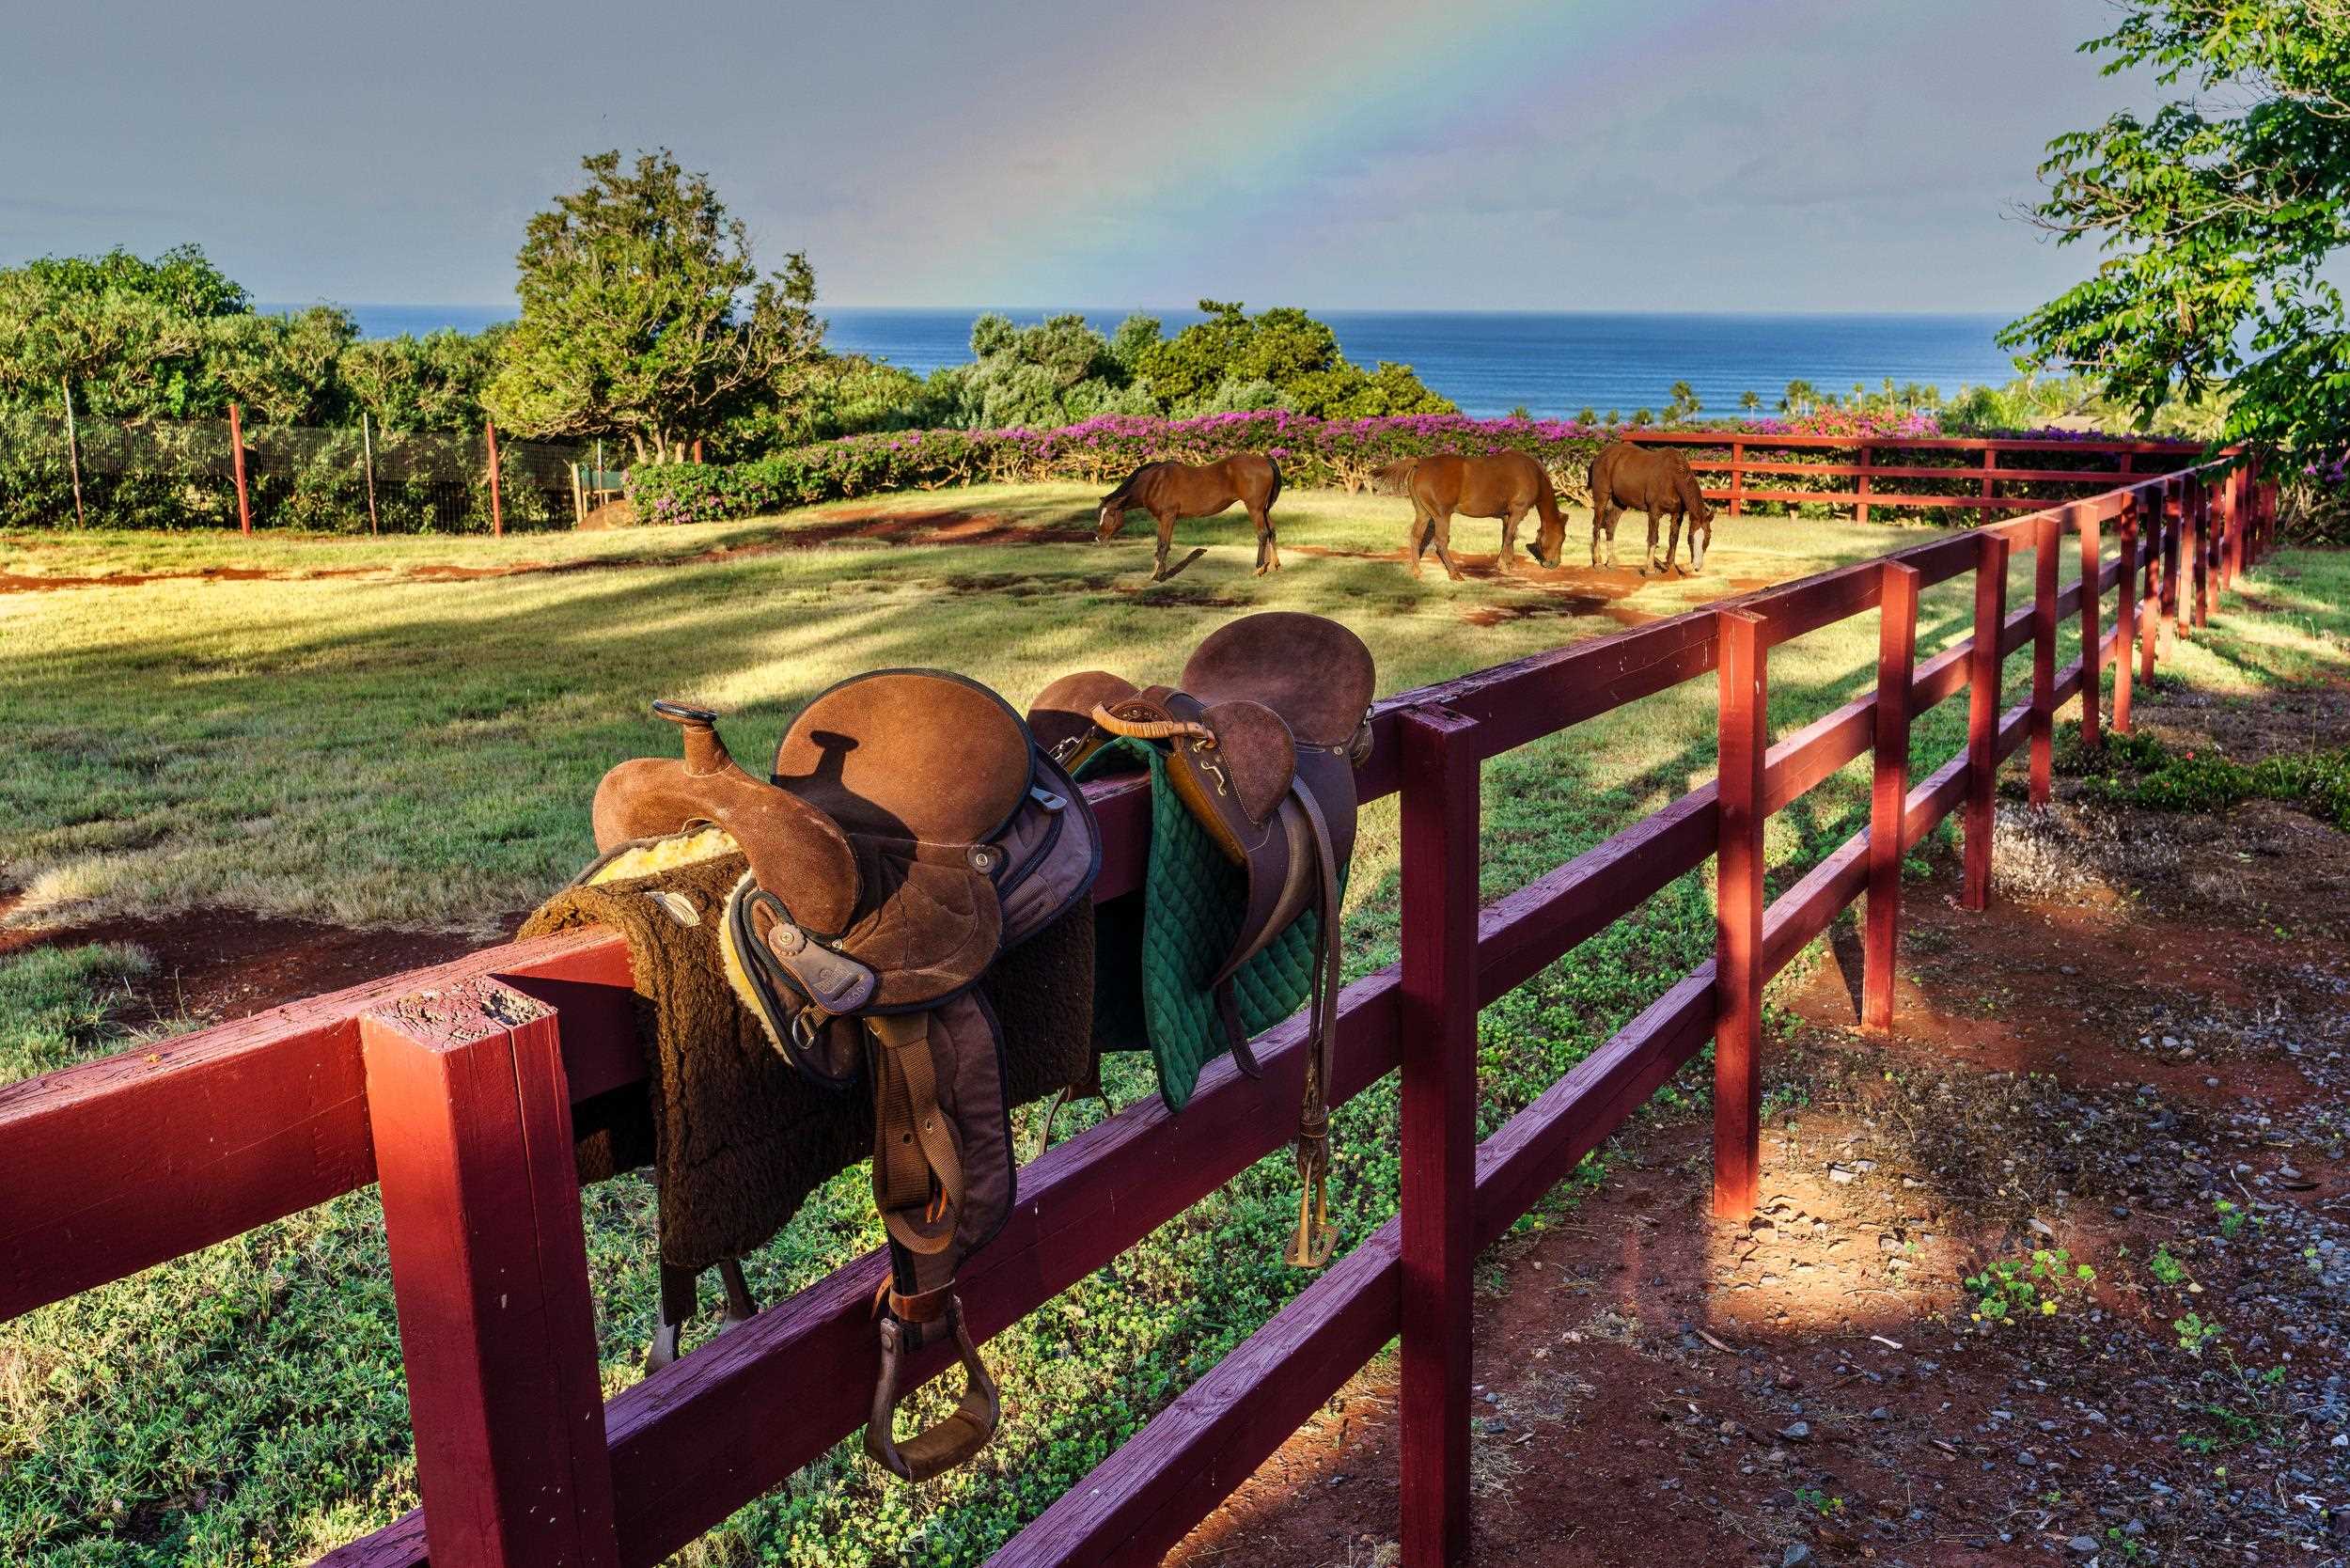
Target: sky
[{"x": 1369, "y": 154}]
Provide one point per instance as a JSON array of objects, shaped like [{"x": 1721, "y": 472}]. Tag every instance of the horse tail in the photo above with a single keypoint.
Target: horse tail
[{"x": 1274, "y": 494}]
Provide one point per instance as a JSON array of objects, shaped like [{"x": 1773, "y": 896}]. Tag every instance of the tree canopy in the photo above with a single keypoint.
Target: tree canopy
[
  {"x": 2217, "y": 216},
  {"x": 1211, "y": 364},
  {"x": 644, "y": 314}
]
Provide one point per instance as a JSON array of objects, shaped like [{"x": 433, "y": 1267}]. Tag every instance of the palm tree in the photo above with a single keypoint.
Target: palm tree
[
  {"x": 1615, "y": 417},
  {"x": 1587, "y": 417},
  {"x": 1799, "y": 398},
  {"x": 1641, "y": 419},
  {"x": 1749, "y": 400},
  {"x": 1683, "y": 401}
]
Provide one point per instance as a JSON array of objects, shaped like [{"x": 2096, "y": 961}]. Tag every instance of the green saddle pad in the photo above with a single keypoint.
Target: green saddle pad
[{"x": 1191, "y": 900}]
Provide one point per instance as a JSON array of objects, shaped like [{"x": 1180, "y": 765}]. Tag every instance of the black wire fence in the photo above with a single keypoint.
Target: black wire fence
[{"x": 184, "y": 474}]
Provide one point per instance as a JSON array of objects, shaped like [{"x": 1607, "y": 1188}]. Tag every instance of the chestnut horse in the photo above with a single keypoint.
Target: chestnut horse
[
  {"x": 1172, "y": 490},
  {"x": 1626, "y": 474},
  {"x": 1507, "y": 485}
]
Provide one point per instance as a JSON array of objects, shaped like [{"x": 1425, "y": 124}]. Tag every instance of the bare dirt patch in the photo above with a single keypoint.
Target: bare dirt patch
[{"x": 215, "y": 964}]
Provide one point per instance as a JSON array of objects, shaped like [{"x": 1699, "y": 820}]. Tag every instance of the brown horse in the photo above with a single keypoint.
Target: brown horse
[
  {"x": 1507, "y": 485},
  {"x": 1626, "y": 474},
  {"x": 1172, "y": 490}
]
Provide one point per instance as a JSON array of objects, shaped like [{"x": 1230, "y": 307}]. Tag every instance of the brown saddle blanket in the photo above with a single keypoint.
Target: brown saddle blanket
[{"x": 736, "y": 1136}]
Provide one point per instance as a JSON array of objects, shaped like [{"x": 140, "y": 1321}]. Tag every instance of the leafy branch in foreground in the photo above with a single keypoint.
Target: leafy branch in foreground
[{"x": 2217, "y": 215}]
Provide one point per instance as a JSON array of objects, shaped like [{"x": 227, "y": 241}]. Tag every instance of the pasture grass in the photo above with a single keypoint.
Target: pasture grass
[{"x": 380, "y": 750}]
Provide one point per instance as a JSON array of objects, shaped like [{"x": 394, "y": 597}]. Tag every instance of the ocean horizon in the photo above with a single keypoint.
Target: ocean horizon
[{"x": 1550, "y": 363}]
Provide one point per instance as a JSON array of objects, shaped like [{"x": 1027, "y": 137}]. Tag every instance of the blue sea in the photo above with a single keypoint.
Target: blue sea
[{"x": 1489, "y": 362}]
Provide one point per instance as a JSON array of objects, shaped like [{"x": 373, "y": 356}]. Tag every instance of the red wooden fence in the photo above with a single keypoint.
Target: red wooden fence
[
  {"x": 1868, "y": 474},
  {"x": 452, "y": 1089}
]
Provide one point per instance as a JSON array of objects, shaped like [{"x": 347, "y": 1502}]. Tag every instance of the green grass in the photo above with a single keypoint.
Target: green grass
[
  {"x": 372, "y": 749},
  {"x": 58, "y": 1005}
]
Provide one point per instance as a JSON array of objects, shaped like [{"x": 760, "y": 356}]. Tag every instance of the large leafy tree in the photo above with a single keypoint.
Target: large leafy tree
[
  {"x": 643, "y": 315},
  {"x": 1214, "y": 363},
  {"x": 135, "y": 338},
  {"x": 2218, "y": 214}
]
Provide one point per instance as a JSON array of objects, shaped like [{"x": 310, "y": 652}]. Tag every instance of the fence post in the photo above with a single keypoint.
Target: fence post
[
  {"x": 2149, "y": 597},
  {"x": 2093, "y": 631},
  {"x": 2200, "y": 509},
  {"x": 367, "y": 453},
  {"x": 2046, "y": 532},
  {"x": 72, "y": 452},
  {"x": 2125, "y": 615},
  {"x": 2176, "y": 533},
  {"x": 1438, "y": 1141},
  {"x": 497, "y": 514},
  {"x": 1737, "y": 478},
  {"x": 1982, "y": 715},
  {"x": 1743, "y": 726},
  {"x": 1990, "y": 485},
  {"x": 472, "y": 1123},
  {"x": 236, "y": 459},
  {"x": 1897, "y": 661},
  {"x": 1860, "y": 512}
]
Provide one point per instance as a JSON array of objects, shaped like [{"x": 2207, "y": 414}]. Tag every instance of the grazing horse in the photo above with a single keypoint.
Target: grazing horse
[
  {"x": 1507, "y": 485},
  {"x": 1172, "y": 490},
  {"x": 1626, "y": 474}
]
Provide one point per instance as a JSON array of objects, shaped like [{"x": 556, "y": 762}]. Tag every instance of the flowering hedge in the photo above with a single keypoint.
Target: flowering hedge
[{"x": 1310, "y": 451}]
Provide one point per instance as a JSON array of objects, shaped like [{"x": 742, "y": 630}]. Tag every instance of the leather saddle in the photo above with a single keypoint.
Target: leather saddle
[
  {"x": 910, "y": 832},
  {"x": 1261, "y": 737}
]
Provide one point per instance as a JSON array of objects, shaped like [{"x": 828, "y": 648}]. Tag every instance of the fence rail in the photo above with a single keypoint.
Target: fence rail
[
  {"x": 1975, "y": 485},
  {"x": 452, "y": 1089}
]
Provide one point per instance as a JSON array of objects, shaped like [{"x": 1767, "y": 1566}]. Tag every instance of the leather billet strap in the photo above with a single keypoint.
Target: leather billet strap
[
  {"x": 917, "y": 1167},
  {"x": 1315, "y": 1239},
  {"x": 962, "y": 1434}
]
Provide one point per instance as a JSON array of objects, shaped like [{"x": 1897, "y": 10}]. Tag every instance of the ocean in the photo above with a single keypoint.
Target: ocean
[{"x": 1552, "y": 364}]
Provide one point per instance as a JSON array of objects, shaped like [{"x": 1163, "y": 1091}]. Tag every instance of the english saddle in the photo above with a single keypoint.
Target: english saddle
[
  {"x": 1259, "y": 740},
  {"x": 911, "y": 832}
]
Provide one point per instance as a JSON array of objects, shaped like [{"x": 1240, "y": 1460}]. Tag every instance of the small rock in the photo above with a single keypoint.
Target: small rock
[
  {"x": 1880, "y": 1413},
  {"x": 1842, "y": 1177},
  {"x": 2084, "y": 1544},
  {"x": 1796, "y": 1432},
  {"x": 1795, "y": 1556}
]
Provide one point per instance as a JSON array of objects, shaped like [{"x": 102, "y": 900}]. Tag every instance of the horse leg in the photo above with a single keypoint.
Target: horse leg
[
  {"x": 1416, "y": 543},
  {"x": 1444, "y": 546},
  {"x": 1268, "y": 547},
  {"x": 1672, "y": 543},
  {"x": 1509, "y": 521},
  {"x": 1648, "y": 563},
  {"x": 1167, "y": 543}
]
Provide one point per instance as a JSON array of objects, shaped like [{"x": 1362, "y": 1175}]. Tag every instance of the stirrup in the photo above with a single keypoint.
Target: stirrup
[
  {"x": 1316, "y": 1238},
  {"x": 954, "y": 1440}
]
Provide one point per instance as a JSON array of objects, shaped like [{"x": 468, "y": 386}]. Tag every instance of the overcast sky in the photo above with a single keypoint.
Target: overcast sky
[{"x": 1535, "y": 154}]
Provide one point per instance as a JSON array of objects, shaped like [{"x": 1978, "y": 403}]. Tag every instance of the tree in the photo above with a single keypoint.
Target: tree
[
  {"x": 1749, "y": 400},
  {"x": 1682, "y": 401},
  {"x": 134, "y": 337},
  {"x": 1587, "y": 416},
  {"x": 1058, "y": 372},
  {"x": 1210, "y": 363},
  {"x": 1799, "y": 398},
  {"x": 643, "y": 315},
  {"x": 2216, "y": 216}
]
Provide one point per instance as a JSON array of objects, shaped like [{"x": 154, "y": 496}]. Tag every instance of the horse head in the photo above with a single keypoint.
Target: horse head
[
  {"x": 1110, "y": 516},
  {"x": 1550, "y": 540}
]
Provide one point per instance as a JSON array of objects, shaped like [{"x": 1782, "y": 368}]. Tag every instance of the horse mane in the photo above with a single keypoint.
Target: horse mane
[{"x": 1127, "y": 483}]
